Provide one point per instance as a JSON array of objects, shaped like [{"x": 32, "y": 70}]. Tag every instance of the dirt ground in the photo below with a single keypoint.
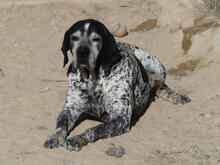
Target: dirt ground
[{"x": 183, "y": 35}]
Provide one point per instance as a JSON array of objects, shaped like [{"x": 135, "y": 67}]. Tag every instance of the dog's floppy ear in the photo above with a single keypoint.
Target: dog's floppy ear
[
  {"x": 110, "y": 54},
  {"x": 65, "y": 47}
]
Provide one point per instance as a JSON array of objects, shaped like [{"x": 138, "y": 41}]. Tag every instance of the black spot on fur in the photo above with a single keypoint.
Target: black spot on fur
[
  {"x": 143, "y": 72},
  {"x": 71, "y": 69}
]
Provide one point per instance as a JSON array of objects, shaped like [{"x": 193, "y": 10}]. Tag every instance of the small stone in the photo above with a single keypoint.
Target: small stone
[
  {"x": 208, "y": 116},
  {"x": 45, "y": 90},
  {"x": 55, "y": 29},
  {"x": 217, "y": 148},
  {"x": 188, "y": 72},
  {"x": 116, "y": 151}
]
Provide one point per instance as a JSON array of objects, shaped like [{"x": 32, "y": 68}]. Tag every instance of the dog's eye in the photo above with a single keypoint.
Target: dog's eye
[
  {"x": 96, "y": 39},
  {"x": 74, "y": 38}
]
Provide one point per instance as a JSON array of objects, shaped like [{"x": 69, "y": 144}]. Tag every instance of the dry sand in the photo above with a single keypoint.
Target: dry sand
[{"x": 182, "y": 34}]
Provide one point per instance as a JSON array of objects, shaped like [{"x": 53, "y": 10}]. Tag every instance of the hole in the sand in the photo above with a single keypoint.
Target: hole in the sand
[
  {"x": 183, "y": 69},
  {"x": 145, "y": 26}
]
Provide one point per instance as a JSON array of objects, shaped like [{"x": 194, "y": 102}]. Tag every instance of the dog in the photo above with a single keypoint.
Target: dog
[{"x": 109, "y": 80}]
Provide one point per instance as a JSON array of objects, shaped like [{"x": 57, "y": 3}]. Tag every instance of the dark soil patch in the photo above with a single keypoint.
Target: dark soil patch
[
  {"x": 184, "y": 68},
  {"x": 145, "y": 26}
]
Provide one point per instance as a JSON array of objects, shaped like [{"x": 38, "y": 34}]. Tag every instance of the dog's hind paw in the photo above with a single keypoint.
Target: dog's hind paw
[
  {"x": 180, "y": 99},
  {"x": 174, "y": 97}
]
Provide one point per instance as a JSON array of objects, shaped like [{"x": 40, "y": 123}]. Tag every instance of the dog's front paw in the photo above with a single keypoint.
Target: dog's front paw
[
  {"x": 75, "y": 143},
  {"x": 54, "y": 141}
]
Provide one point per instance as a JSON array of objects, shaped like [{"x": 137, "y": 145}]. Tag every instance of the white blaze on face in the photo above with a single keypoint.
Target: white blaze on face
[{"x": 86, "y": 27}]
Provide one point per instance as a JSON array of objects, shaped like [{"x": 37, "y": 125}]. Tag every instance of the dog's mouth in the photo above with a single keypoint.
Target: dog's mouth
[
  {"x": 83, "y": 67},
  {"x": 85, "y": 71}
]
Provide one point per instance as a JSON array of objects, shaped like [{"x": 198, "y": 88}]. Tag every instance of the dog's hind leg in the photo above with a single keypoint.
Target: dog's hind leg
[
  {"x": 154, "y": 69},
  {"x": 156, "y": 73},
  {"x": 168, "y": 94}
]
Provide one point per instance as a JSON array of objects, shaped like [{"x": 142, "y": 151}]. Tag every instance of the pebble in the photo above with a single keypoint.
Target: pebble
[
  {"x": 45, "y": 90},
  {"x": 217, "y": 148},
  {"x": 115, "y": 151},
  {"x": 208, "y": 116}
]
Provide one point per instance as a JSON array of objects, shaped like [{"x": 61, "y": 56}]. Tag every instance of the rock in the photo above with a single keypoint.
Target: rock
[
  {"x": 217, "y": 148},
  {"x": 116, "y": 151},
  {"x": 46, "y": 89},
  {"x": 208, "y": 116}
]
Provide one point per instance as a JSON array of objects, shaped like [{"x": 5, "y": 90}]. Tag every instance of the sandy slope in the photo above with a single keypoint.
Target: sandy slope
[{"x": 33, "y": 83}]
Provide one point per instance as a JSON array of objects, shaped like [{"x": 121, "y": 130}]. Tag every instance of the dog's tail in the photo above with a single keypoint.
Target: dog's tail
[{"x": 168, "y": 94}]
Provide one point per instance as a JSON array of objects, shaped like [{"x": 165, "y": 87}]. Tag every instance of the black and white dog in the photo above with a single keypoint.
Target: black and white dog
[{"x": 109, "y": 80}]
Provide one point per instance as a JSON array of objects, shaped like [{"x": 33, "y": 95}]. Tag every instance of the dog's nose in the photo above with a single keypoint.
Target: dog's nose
[{"x": 83, "y": 51}]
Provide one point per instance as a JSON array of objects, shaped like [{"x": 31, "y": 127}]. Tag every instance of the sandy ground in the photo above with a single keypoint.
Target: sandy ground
[{"x": 183, "y": 35}]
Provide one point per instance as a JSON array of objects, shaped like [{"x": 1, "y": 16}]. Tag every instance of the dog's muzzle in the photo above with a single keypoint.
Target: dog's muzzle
[{"x": 83, "y": 57}]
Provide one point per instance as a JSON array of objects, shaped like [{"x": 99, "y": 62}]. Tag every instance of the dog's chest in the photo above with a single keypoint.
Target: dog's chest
[
  {"x": 90, "y": 91},
  {"x": 95, "y": 96},
  {"x": 96, "y": 99}
]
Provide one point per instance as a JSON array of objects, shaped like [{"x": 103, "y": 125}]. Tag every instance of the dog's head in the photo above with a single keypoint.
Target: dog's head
[{"x": 92, "y": 46}]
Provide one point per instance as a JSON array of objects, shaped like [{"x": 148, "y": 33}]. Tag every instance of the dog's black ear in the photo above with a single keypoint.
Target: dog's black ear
[
  {"x": 65, "y": 47},
  {"x": 110, "y": 54}
]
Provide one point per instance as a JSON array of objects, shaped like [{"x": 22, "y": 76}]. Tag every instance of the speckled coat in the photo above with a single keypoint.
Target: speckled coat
[{"x": 113, "y": 98}]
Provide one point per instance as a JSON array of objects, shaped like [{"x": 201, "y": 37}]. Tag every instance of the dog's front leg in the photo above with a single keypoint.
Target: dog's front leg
[
  {"x": 119, "y": 108},
  {"x": 74, "y": 107},
  {"x": 65, "y": 123},
  {"x": 114, "y": 127}
]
